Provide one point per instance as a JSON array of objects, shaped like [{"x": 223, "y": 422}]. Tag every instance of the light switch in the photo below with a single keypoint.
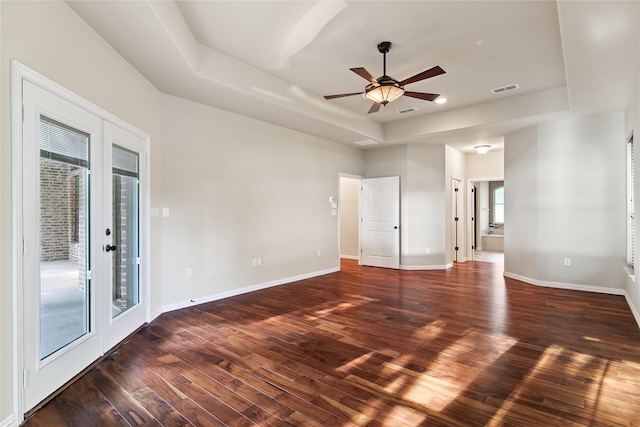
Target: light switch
[
  {"x": 334, "y": 205},
  {"x": 334, "y": 212},
  {"x": 165, "y": 212}
]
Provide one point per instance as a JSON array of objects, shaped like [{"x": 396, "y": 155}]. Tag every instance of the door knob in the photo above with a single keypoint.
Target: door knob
[{"x": 109, "y": 248}]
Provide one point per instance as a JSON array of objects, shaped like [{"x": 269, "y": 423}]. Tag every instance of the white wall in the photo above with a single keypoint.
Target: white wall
[
  {"x": 424, "y": 205},
  {"x": 421, "y": 168},
  {"x": 349, "y": 209},
  {"x": 391, "y": 161},
  {"x": 483, "y": 166},
  {"x": 52, "y": 40},
  {"x": 565, "y": 198},
  {"x": 521, "y": 203},
  {"x": 239, "y": 189}
]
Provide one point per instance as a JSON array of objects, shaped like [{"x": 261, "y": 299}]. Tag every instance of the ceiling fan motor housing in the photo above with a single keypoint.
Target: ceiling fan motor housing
[{"x": 384, "y": 47}]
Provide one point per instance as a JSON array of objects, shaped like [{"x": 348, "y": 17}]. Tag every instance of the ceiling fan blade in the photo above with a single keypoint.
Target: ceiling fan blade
[
  {"x": 341, "y": 95},
  {"x": 422, "y": 95},
  {"x": 374, "y": 108},
  {"x": 431, "y": 72},
  {"x": 364, "y": 74}
]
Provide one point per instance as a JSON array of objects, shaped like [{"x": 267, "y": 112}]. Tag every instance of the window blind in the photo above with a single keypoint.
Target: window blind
[
  {"x": 63, "y": 143},
  {"x": 124, "y": 162}
]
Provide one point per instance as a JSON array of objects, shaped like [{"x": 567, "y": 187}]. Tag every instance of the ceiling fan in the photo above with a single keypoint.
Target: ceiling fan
[{"x": 385, "y": 89}]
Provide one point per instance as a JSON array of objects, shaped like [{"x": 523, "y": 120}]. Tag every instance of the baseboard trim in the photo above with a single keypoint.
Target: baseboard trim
[
  {"x": 563, "y": 285},
  {"x": 10, "y": 421},
  {"x": 425, "y": 267},
  {"x": 634, "y": 310},
  {"x": 355, "y": 257},
  {"x": 155, "y": 314},
  {"x": 244, "y": 290}
]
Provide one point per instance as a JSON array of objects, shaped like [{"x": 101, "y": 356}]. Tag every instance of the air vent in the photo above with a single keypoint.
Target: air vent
[
  {"x": 505, "y": 88},
  {"x": 407, "y": 110}
]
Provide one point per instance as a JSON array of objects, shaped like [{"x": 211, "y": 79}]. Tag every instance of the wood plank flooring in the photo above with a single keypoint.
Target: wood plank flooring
[{"x": 374, "y": 347}]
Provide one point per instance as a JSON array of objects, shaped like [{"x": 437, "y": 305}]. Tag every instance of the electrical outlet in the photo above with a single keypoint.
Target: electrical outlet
[
  {"x": 427, "y": 251},
  {"x": 189, "y": 272},
  {"x": 567, "y": 261},
  {"x": 255, "y": 262},
  {"x": 259, "y": 262}
]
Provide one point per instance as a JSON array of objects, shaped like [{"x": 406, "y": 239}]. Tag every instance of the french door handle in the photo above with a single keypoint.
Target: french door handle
[{"x": 110, "y": 248}]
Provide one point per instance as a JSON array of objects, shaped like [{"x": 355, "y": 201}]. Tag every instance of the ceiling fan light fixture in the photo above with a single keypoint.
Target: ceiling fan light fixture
[
  {"x": 482, "y": 149},
  {"x": 386, "y": 91}
]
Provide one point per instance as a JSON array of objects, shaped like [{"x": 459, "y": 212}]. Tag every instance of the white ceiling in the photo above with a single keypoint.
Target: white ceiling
[{"x": 273, "y": 60}]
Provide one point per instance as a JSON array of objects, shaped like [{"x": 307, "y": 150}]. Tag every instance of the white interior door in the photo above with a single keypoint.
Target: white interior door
[
  {"x": 381, "y": 222},
  {"x": 83, "y": 209}
]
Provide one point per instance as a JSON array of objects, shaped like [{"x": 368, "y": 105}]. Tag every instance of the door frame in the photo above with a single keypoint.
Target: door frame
[
  {"x": 20, "y": 72},
  {"x": 470, "y": 184},
  {"x": 340, "y": 201}
]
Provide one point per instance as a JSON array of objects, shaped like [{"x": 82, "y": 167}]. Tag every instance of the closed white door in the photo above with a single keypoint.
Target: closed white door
[
  {"x": 381, "y": 222},
  {"x": 82, "y": 286}
]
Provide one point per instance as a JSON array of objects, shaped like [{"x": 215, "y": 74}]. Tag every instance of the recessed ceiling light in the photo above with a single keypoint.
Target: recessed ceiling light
[{"x": 441, "y": 100}]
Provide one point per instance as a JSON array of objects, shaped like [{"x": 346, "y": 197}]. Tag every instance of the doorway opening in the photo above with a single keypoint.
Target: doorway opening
[
  {"x": 487, "y": 220},
  {"x": 349, "y": 216}
]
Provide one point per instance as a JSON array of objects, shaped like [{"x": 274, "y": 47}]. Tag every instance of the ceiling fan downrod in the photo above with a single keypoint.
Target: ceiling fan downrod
[{"x": 383, "y": 48}]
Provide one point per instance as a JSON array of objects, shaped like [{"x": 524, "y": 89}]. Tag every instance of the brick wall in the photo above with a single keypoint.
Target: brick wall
[
  {"x": 63, "y": 213},
  {"x": 55, "y": 212}
]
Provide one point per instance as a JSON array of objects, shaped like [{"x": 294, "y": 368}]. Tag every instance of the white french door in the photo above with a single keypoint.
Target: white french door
[
  {"x": 381, "y": 222},
  {"x": 125, "y": 307},
  {"x": 82, "y": 215}
]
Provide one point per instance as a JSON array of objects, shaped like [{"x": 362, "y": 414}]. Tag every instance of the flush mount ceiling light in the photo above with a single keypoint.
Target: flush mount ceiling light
[
  {"x": 385, "y": 89},
  {"x": 482, "y": 149},
  {"x": 441, "y": 100}
]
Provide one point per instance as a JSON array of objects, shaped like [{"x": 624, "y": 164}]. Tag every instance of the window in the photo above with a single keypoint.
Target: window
[
  {"x": 498, "y": 205},
  {"x": 630, "y": 205}
]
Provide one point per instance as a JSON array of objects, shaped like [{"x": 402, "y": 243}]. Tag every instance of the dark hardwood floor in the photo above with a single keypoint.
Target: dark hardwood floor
[{"x": 376, "y": 347}]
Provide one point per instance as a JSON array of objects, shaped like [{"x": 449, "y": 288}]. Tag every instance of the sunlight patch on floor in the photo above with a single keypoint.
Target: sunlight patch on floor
[
  {"x": 400, "y": 381},
  {"x": 568, "y": 392},
  {"x": 335, "y": 307}
]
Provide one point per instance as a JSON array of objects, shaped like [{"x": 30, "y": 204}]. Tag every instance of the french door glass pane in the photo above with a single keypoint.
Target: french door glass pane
[
  {"x": 64, "y": 237},
  {"x": 125, "y": 289}
]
